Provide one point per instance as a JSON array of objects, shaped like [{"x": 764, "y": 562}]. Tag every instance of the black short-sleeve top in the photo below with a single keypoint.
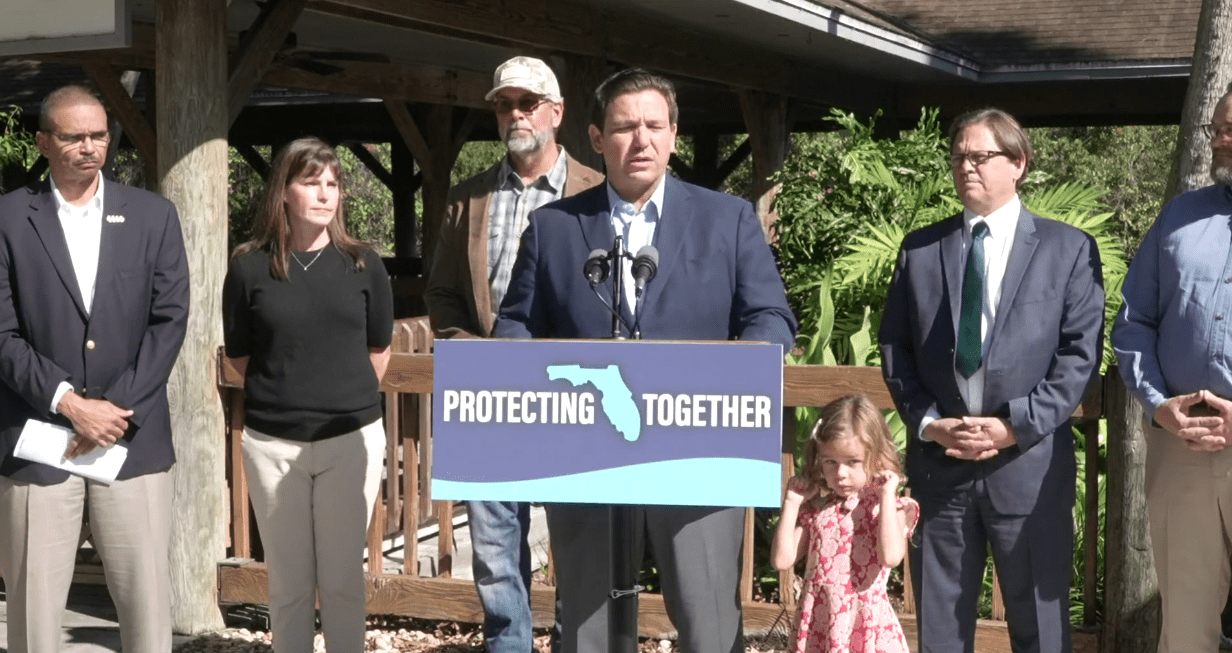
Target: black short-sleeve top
[{"x": 307, "y": 338}]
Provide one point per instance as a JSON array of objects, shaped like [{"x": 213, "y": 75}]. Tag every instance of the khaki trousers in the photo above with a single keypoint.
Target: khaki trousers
[
  {"x": 313, "y": 501},
  {"x": 1189, "y": 503},
  {"x": 40, "y": 526}
]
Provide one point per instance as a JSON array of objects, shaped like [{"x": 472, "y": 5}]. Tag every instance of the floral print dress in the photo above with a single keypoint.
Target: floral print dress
[{"x": 843, "y": 603}]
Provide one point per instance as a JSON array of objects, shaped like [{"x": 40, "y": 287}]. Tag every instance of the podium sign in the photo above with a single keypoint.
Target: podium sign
[{"x": 596, "y": 421}]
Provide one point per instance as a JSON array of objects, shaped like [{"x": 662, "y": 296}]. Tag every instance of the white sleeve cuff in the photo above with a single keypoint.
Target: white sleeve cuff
[
  {"x": 55, "y": 399},
  {"x": 928, "y": 418}
]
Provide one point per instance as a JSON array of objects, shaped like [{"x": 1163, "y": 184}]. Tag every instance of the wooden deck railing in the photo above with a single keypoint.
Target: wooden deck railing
[{"x": 406, "y": 498}]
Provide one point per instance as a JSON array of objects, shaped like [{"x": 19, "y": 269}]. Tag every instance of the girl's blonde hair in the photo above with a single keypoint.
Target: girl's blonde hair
[{"x": 851, "y": 416}]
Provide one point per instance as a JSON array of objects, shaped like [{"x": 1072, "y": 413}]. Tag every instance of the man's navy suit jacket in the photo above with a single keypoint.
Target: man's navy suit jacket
[
  {"x": 716, "y": 280},
  {"x": 135, "y": 326},
  {"x": 1046, "y": 344}
]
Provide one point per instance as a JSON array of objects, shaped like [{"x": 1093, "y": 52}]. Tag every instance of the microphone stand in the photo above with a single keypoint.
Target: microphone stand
[
  {"x": 622, "y": 601},
  {"x": 618, "y": 276}
]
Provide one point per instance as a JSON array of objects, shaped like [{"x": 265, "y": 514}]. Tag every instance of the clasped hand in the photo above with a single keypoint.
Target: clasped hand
[
  {"x": 1203, "y": 419},
  {"x": 96, "y": 422},
  {"x": 971, "y": 438}
]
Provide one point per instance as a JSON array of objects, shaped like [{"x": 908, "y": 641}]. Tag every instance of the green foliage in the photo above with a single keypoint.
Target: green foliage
[
  {"x": 475, "y": 157},
  {"x": 369, "y": 203},
  {"x": 1130, "y": 164},
  {"x": 848, "y": 198},
  {"x": 16, "y": 144}
]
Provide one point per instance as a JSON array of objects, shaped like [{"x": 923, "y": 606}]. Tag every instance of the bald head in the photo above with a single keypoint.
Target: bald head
[{"x": 65, "y": 96}]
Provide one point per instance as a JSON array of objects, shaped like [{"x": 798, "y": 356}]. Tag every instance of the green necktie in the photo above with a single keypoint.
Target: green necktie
[{"x": 970, "y": 344}]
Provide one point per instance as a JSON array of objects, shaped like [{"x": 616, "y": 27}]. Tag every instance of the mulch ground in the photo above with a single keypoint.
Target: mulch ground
[{"x": 405, "y": 635}]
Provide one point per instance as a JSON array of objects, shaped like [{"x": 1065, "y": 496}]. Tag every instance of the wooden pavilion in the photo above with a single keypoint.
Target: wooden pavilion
[{"x": 413, "y": 73}]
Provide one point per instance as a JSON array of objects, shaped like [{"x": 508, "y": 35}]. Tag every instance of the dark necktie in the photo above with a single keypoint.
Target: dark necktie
[{"x": 970, "y": 344}]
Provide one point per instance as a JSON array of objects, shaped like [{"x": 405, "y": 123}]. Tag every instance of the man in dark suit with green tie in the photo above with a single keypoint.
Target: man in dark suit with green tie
[{"x": 992, "y": 328}]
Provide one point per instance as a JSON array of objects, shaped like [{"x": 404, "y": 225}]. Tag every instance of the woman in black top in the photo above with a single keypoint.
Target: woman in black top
[{"x": 308, "y": 318}]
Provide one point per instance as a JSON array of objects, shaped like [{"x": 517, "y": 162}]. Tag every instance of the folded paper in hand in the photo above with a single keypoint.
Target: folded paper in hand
[{"x": 42, "y": 442}]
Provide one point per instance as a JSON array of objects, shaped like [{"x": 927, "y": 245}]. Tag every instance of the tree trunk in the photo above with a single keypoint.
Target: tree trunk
[
  {"x": 1208, "y": 81},
  {"x": 191, "y": 81},
  {"x": 1131, "y": 601}
]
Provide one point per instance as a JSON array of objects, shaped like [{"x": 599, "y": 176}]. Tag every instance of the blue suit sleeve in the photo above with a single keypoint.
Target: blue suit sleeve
[
  {"x": 30, "y": 374},
  {"x": 139, "y": 387},
  {"x": 1053, "y": 400},
  {"x": 759, "y": 307},
  {"x": 898, "y": 361}
]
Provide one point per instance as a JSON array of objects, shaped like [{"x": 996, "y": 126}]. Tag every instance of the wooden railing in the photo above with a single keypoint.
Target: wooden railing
[{"x": 406, "y": 499}]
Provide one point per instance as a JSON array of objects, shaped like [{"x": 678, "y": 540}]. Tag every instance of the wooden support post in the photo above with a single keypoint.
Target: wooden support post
[
  {"x": 393, "y": 489},
  {"x": 435, "y": 155},
  {"x": 729, "y": 165},
  {"x": 376, "y": 534},
  {"x": 579, "y": 76},
  {"x": 444, "y": 539},
  {"x": 119, "y": 99},
  {"x": 767, "y": 117},
  {"x": 1131, "y": 599},
  {"x": 253, "y": 158},
  {"x": 706, "y": 158},
  {"x": 191, "y": 56},
  {"x": 374, "y": 165},
  {"x": 787, "y": 577},
  {"x": 998, "y": 599},
  {"x": 405, "y": 184},
  {"x": 257, "y": 51},
  {"x": 128, "y": 80},
  {"x": 410, "y": 479},
  {"x": 241, "y": 541},
  {"x": 1090, "y": 537}
]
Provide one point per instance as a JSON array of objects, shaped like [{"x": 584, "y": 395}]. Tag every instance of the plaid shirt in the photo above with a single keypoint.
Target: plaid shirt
[{"x": 508, "y": 208}]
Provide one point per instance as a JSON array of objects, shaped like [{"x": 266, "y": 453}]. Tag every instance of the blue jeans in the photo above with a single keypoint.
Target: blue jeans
[{"x": 501, "y": 566}]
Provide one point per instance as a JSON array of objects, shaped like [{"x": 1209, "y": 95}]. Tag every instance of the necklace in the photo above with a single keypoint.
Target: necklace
[{"x": 309, "y": 264}]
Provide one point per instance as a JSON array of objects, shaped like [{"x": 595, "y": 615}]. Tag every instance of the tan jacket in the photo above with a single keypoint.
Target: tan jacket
[{"x": 458, "y": 297}]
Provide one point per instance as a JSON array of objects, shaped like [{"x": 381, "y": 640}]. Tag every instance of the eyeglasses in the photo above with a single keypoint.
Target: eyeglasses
[
  {"x": 525, "y": 104},
  {"x": 100, "y": 138},
  {"x": 977, "y": 158},
  {"x": 1223, "y": 131}
]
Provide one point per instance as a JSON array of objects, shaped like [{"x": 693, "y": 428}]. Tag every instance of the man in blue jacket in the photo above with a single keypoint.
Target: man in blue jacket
[
  {"x": 93, "y": 310},
  {"x": 716, "y": 281}
]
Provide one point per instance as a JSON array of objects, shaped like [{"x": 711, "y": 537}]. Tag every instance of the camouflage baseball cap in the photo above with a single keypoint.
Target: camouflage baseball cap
[{"x": 527, "y": 73}]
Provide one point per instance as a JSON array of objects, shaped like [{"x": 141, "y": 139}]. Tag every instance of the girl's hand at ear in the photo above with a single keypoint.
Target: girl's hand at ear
[
  {"x": 799, "y": 490},
  {"x": 887, "y": 481}
]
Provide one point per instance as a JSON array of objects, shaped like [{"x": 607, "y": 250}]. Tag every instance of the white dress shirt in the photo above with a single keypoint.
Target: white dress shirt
[
  {"x": 637, "y": 228},
  {"x": 1002, "y": 224},
  {"x": 83, "y": 229}
]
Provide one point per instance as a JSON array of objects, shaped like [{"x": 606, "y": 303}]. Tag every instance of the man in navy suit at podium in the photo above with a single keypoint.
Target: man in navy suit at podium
[{"x": 716, "y": 280}]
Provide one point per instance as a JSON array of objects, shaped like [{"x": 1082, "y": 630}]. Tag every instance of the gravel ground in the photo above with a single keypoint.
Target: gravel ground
[{"x": 421, "y": 636}]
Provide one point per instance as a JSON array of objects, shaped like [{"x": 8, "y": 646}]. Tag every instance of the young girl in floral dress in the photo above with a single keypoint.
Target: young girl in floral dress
[{"x": 844, "y": 512}]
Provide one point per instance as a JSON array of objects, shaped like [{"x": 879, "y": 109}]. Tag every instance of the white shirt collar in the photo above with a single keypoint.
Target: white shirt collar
[
  {"x": 95, "y": 203},
  {"x": 1001, "y": 222},
  {"x": 618, "y": 205}
]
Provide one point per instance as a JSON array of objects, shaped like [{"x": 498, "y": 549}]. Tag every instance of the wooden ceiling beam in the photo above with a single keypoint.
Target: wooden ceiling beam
[
  {"x": 257, "y": 51},
  {"x": 411, "y": 135},
  {"x": 573, "y": 27},
  {"x": 405, "y": 82},
  {"x": 138, "y": 129}
]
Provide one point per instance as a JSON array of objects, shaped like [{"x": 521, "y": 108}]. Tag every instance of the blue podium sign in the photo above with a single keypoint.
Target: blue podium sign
[{"x": 593, "y": 421}]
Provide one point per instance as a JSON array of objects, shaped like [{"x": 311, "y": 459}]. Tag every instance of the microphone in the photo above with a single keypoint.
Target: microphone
[
  {"x": 597, "y": 268},
  {"x": 645, "y": 267}
]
